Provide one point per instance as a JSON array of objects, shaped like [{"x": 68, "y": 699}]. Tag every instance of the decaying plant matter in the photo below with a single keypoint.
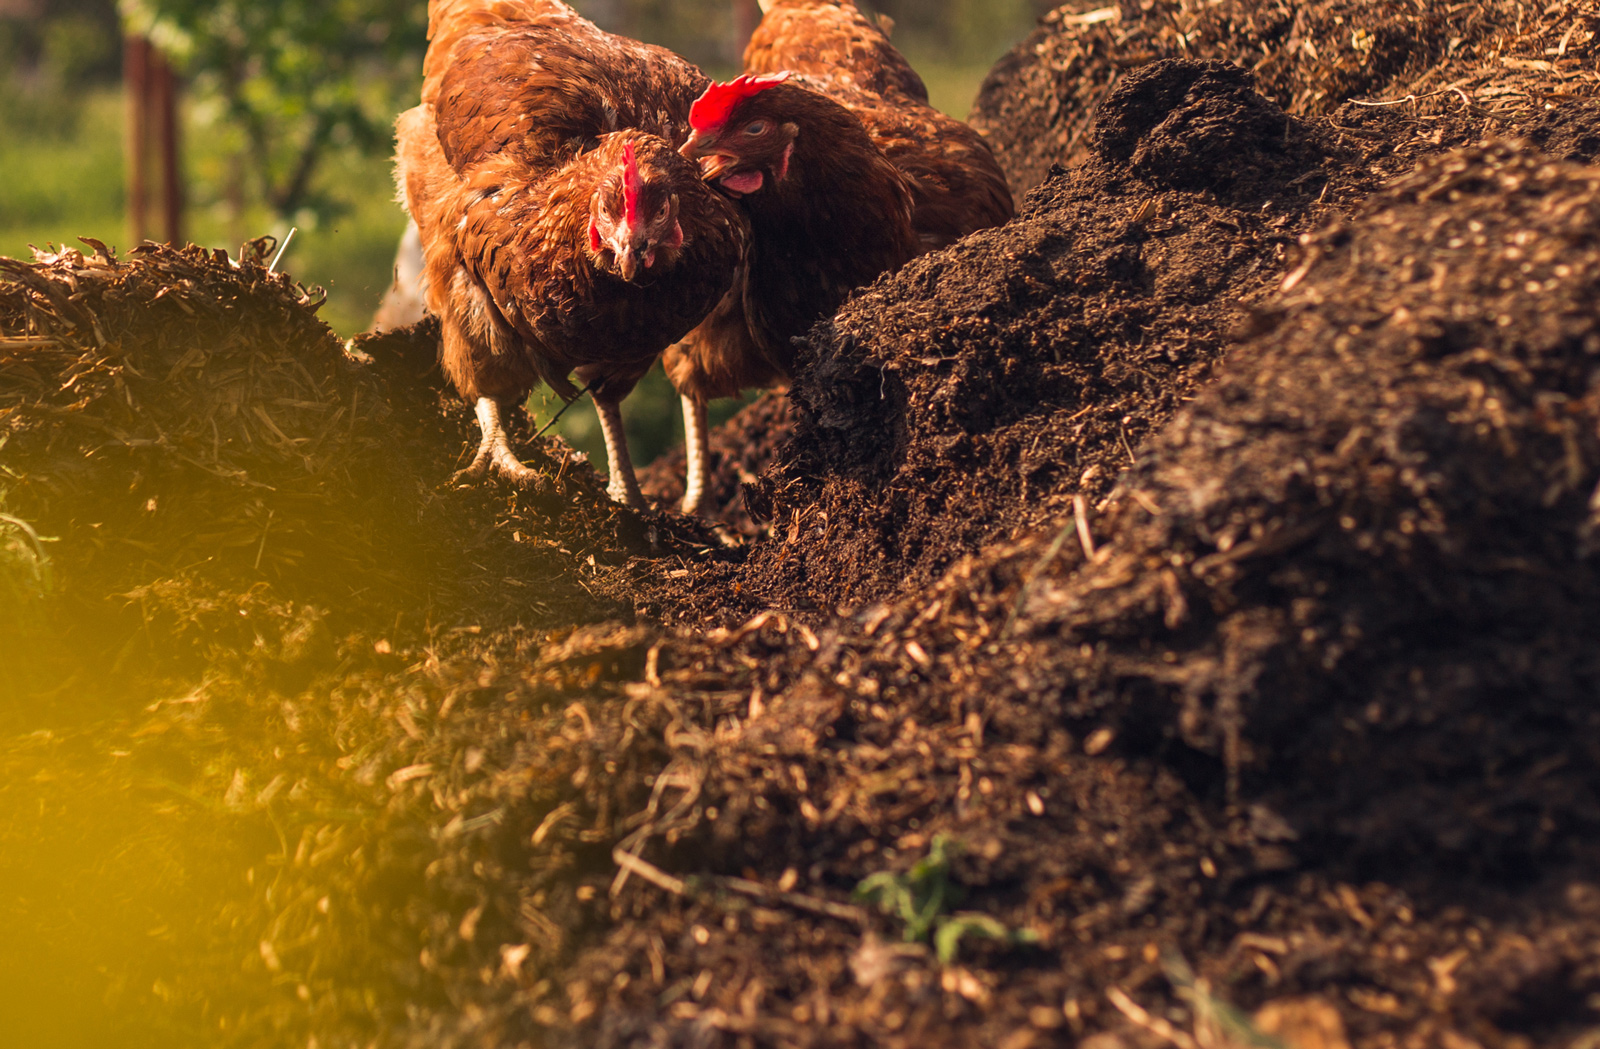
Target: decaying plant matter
[{"x": 1171, "y": 609}]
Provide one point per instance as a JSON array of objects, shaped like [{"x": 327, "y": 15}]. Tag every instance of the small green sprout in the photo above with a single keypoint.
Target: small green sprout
[{"x": 918, "y": 898}]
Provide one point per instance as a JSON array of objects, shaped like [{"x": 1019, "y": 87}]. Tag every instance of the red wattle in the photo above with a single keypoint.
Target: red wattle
[{"x": 744, "y": 182}]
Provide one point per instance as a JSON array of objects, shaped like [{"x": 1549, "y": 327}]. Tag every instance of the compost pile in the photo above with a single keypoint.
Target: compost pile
[
  {"x": 969, "y": 399},
  {"x": 1166, "y": 620},
  {"x": 1449, "y": 73},
  {"x": 208, "y": 504},
  {"x": 182, "y": 424}
]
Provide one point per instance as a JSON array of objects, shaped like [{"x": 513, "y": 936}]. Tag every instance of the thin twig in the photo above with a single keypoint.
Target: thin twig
[
  {"x": 648, "y": 871},
  {"x": 1561, "y": 49},
  {"x": 814, "y": 904},
  {"x": 1026, "y": 589},
  {"x": 282, "y": 248},
  {"x": 1154, "y": 1024},
  {"x": 744, "y": 887},
  {"x": 1145, "y": 501},
  {"x": 557, "y": 416},
  {"x": 1080, "y": 513},
  {"x": 1393, "y": 102},
  {"x": 1088, "y": 18},
  {"x": 263, "y": 545},
  {"x": 1415, "y": 98}
]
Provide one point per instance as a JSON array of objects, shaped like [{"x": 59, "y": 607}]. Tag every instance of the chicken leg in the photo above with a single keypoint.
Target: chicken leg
[
  {"x": 623, "y": 486},
  {"x": 493, "y": 451},
  {"x": 698, "y": 450}
]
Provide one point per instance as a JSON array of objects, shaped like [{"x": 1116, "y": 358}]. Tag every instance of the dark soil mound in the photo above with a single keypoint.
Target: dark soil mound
[
  {"x": 1337, "y": 633},
  {"x": 1197, "y": 126},
  {"x": 970, "y": 397},
  {"x": 1454, "y": 72},
  {"x": 1369, "y": 545}
]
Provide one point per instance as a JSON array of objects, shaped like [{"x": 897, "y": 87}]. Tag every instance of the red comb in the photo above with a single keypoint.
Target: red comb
[
  {"x": 630, "y": 186},
  {"x": 710, "y": 111}
]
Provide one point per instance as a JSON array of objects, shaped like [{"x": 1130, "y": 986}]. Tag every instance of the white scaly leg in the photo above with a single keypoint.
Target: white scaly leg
[
  {"x": 623, "y": 486},
  {"x": 493, "y": 451},
  {"x": 697, "y": 448}
]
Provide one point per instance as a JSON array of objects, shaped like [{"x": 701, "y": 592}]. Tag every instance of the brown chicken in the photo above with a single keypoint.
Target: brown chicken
[
  {"x": 834, "y": 41},
  {"x": 561, "y": 230},
  {"x": 845, "y": 171},
  {"x": 957, "y": 186}
]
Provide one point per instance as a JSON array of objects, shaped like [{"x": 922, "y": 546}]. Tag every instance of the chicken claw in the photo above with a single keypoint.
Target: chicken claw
[{"x": 495, "y": 452}]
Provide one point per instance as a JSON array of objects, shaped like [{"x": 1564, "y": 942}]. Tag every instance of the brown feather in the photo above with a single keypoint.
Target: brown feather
[
  {"x": 720, "y": 357},
  {"x": 959, "y": 186}
]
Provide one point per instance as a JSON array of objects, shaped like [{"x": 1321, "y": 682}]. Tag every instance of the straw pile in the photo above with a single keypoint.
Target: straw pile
[
  {"x": 181, "y": 432},
  {"x": 189, "y": 409}
]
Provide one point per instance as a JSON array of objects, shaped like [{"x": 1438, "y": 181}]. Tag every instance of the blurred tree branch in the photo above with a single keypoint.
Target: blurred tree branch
[{"x": 296, "y": 77}]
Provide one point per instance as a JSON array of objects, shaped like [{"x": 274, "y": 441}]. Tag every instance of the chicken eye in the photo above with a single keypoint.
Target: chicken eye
[{"x": 756, "y": 127}]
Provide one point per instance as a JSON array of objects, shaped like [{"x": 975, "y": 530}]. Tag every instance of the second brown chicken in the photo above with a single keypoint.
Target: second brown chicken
[{"x": 845, "y": 171}]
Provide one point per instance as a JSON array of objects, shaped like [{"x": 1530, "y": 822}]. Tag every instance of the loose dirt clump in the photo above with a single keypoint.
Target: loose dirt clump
[
  {"x": 969, "y": 398},
  {"x": 1197, "y": 126},
  {"x": 1454, "y": 72}
]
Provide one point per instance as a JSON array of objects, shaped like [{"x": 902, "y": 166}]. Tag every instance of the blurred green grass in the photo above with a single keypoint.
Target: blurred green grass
[
  {"x": 952, "y": 86},
  {"x": 63, "y": 178}
]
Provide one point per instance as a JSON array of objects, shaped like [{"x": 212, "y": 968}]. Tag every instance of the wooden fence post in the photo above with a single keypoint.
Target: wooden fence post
[
  {"x": 169, "y": 134},
  {"x": 746, "y": 16},
  {"x": 136, "y": 86},
  {"x": 154, "y": 139}
]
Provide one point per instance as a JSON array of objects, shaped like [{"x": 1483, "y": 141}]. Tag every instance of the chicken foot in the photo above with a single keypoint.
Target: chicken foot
[
  {"x": 623, "y": 486},
  {"x": 698, "y": 449},
  {"x": 494, "y": 451}
]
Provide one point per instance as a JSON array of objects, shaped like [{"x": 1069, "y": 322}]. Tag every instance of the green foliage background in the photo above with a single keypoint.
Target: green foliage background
[{"x": 288, "y": 81}]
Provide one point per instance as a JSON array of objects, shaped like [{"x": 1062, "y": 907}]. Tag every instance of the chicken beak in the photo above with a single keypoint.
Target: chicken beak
[
  {"x": 714, "y": 165},
  {"x": 695, "y": 147},
  {"x": 628, "y": 263},
  {"x": 703, "y": 148}
]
